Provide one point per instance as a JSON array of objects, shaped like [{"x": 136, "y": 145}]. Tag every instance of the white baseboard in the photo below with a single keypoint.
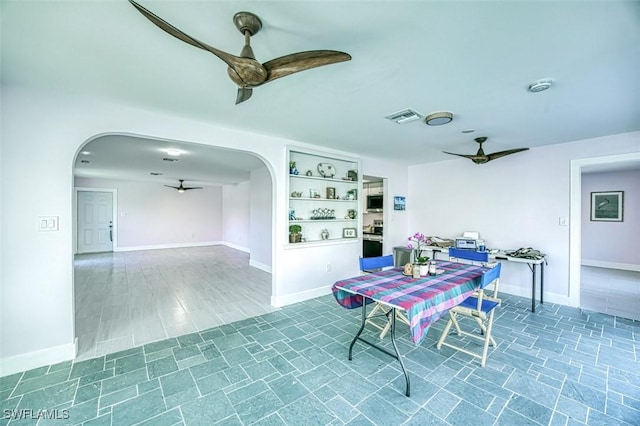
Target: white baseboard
[
  {"x": 611, "y": 265},
  {"x": 289, "y": 299},
  {"x": 261, "y": 266},
  {"x": 35, "y": 359},
  {"x": 168, "y": 246},
  {"x": 236, "y": 247},
  {"x": 517, "y": 290}
]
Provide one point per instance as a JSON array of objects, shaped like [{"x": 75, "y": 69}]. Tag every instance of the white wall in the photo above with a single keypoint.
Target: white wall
[
  {"x": 260, "y": 219},
  {"x": 154, "y": 216},
  {"x": 235, "y": 216},
  {"x": 613, "y": 244},
  {"x": 513, "y": 202},
  {"x": 40, "y": 138}
]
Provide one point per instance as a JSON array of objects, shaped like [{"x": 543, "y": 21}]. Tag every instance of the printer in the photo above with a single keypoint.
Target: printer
[{"x": 470, "y": 240}]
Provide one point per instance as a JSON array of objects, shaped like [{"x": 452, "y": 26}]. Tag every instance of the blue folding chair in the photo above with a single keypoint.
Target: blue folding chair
[
  {"x": 473, "y": 257},
  {"x": 469, "y": 255},
  {"x": 481, "y": 308},
  {"x": 374, "y": 264}
]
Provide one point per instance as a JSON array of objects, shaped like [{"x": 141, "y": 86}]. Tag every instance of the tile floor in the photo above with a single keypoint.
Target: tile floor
[
  {"x": 159, "y": 355},
  {"x": 559, "y": 366},
  {"x": 127, "y": 299},
  {"x": 611, "y": 291}
]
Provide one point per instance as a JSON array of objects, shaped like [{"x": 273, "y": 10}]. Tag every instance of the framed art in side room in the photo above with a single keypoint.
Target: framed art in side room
[
  {"x": 349, "y": 233},
  {"x": 607, "y": 206}
]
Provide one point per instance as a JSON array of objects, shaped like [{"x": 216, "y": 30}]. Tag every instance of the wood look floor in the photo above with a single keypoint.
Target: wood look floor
[
  {"x": 128, "y": 299},
  {"x": 610, "y": 291}
]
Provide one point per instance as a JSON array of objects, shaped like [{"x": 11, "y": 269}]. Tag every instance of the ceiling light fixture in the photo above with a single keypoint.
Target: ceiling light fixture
[
  {"x": 540, "y": 85},
  {"x": 439, "y": 118},
  {"x": 85, "y": 153},
  {"x": 173, "y": 152}
]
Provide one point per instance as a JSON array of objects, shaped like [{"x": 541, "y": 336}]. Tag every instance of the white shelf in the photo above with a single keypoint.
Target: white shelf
[
  {"x": 323, "y": 179},
  {"x": 321, "y": 220},
  {"x": 334, "y": 200},
  {"x": 338, "y": 186},
  {"x": 316, "y": 243}
]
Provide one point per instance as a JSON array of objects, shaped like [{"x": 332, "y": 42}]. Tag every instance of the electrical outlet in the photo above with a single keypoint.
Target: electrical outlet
[{"x": 328, "y": 267}]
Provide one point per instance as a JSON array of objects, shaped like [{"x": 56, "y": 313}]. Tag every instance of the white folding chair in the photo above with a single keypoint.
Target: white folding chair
[
  {"x": 479, "y": 307},
  {"x": 373, "y": 264}
]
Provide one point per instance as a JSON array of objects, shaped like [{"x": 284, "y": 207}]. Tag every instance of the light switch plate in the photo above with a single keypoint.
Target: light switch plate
[
  {"x": 563, "y": 221},
  {"x": 48, "y": 223}
]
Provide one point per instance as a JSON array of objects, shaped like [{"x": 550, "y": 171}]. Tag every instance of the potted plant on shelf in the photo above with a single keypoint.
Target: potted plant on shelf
[
  {"x": 292, "y": 168},
  {"x": 295, "y": 235}
]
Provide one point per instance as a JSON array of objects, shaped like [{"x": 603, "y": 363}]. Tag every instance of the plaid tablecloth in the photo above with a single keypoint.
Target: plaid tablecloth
[{"x": 425, "y": 299}]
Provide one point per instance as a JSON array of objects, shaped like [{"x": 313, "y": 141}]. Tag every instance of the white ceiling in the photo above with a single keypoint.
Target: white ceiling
[{"x": 472, "y": 58}]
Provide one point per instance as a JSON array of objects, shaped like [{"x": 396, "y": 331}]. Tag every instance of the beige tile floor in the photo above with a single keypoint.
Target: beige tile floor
[
  {"x": 127, "y": 299},
  {"x": 610, "y": 291}
]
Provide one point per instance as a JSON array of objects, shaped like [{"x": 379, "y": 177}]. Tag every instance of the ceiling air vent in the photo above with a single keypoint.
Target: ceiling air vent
[{"x": 404, "y": 116}]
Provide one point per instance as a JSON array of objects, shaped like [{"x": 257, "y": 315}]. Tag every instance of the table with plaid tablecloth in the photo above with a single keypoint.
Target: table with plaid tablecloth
[{"x": 425, "y": 299}]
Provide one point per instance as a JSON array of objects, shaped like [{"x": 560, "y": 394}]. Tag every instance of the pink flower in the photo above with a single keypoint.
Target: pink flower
[{"x": 422, "y": 242}]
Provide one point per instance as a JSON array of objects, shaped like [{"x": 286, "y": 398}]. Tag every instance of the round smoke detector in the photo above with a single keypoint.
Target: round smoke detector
[{"x": 540, "y": 85}]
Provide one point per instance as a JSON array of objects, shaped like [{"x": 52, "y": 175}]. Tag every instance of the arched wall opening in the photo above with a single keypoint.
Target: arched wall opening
[{"x": 233, "y": 209}]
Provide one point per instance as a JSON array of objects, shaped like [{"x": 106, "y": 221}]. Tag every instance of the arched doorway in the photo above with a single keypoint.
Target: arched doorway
[{"x": 182, "y": 261}]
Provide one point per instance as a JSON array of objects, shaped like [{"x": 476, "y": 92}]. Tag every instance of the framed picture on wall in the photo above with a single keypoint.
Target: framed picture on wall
[
  {"x": 607, "y": 206},
  {"x": 399, "y": 203},
  {"x": 349, "y": 233}
]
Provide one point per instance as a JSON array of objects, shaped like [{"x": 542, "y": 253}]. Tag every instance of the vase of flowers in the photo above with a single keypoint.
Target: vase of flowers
[{"x": 418, "y": 242}]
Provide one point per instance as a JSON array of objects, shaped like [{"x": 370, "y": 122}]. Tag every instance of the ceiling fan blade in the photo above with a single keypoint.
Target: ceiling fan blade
[
  {"x": 174, "y": 187},
  {"x": 193, "y": 187},
  {"x": 469, "y": 156},
  {"x": 246, "y": 68},
  {"x": 244, "y": 93},
  {"x": 301, "y": 61},
  {"x": 503, "y": 153}
]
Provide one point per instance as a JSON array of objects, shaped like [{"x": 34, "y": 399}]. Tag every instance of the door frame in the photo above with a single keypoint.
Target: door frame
[
  {"x": 114, "y": 206},
  {"x": 575, "y": 214}
]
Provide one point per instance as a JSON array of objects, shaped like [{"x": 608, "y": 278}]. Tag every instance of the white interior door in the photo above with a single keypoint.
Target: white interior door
[{"x": 95, "y": 221}]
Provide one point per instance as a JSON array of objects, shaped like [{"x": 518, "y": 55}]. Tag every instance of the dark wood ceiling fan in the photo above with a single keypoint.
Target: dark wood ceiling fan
[
  {"x": 480, "y": 157},
  {"x": 181, "y": 188},
  {"x": 245, "y": 70}
]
